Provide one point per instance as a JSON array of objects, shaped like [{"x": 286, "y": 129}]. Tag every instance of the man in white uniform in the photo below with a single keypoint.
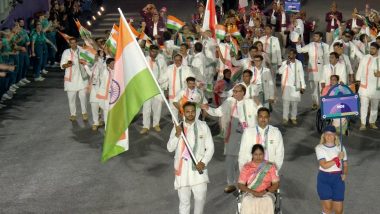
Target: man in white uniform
[
  {"x": 76, "y": 79},
  {"x": 176, "y": 75},
  {"x": 158, "y": 66},
  {"x": 334, "y": 68},
  {"x": 292, "y": 85},
  {"x": 369, "y": 77},
  {"x": 187, "y": 177},
  {"x": 268, "y": 136},
  {"x": 318, "y": 56},
  {"x": 272, "y": 48},
  {"x": 240, "y": 114}
]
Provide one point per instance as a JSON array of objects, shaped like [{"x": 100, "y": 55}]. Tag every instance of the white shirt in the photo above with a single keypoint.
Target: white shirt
[
  {"x": 155, "y": 29},
  {"x": 337, "y": 69},
  {"x": 329, "y": 153},
  {"x": 274, "y": 146},
  {"x": 204, "y": 153}
]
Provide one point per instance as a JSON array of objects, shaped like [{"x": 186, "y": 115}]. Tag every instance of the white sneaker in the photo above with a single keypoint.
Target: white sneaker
[
  {"x": 6, "y": 96},
  {"x": 15, "y": 86},
  {"x": 20, "y": 83},
  {"x": 39, "y": 79},
  {"x": 11, "y": 93},
  {"x": 12, "y": 89},
  {"x": 45, "y": 71},
  {"x": 25, "y": 80}
]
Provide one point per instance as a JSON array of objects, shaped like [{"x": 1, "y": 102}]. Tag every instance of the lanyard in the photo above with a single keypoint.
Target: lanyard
[{"x": 263, "y": 142}]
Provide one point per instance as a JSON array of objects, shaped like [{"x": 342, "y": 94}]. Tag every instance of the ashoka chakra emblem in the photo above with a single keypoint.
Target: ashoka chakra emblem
[{"x": 115, "y": 92}]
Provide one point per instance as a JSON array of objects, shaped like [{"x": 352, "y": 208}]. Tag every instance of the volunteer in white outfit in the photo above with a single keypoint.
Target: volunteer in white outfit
[
  {"x": 331, "y": 176},
  {"x": 318, "y": 56},
  {"x": 186, "y": 57},
  {"x": 239, "y": 114},
  {"x": 175, "y": 76},
  {"x": 334, "y": 68},
  {"x": 369, "y": 77},
  {"x": 267, "y": 135},
  {"x": 94, "y": 73},
  {"x": 76, "y": 79},
  {"x": 158, "y": 66},
  {"x": 187, "y": 178},
  {"x": 198, "y": 64},
  {"x": 272, "y": 48},
  {"x": 292, "y": 85}
]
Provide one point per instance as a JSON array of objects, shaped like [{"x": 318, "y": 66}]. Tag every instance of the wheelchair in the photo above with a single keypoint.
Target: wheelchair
[
  {"x": 321, "y": 123},
  {"x": 277, "y": 202}
]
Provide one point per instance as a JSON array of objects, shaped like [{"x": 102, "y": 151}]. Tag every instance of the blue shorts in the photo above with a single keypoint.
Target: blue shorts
[{"x": 330, "y": 186}]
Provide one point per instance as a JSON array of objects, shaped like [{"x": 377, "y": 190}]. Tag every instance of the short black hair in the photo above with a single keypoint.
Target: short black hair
[
  {"x": 109, "y": 60},
  {"x": 259, "y": 57},
  {"x": 226, "y": 71},
  {"x": 253, "y": 47},
  {"x": 198, "y": 47},
  {"x": 189, "y": 79},
  {"x": 375, "y": 45},
  {"x": 154, "y": 47},
  {"x": 335, "y": 54},
  {"x": 175, "y": 55},
  {"x": 248, "y": 72},
  {"x": 257, "y": 147},
  {"x": 263, "y": 109},
  {"x": 362, "y": 37},
  {"x": 336, "y": 76},
  {"x": 293, "y": 51},
  {"x": 320, "y": 34},
  {"x": 185, "y": 45},
  {"x": 189, "y": 104}
]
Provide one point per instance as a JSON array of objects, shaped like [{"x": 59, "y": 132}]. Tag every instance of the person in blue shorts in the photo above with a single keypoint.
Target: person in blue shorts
[{"x": 332, "y": 158}]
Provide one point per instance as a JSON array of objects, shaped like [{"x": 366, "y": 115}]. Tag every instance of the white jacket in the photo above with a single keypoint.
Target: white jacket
[
  {"x": 292, "y": 78},
  {"x": 272, "y": 48},
  {"x": 368, "y": 82},
  {"x": 318, "y": 56},
  {"x": 329, "y": 70},
  {"x": 176, "y": 79},
  {"x": 73, "y": 77},
  {"x": 274, "y": 150},
  {"x": 203, "y": 152}
]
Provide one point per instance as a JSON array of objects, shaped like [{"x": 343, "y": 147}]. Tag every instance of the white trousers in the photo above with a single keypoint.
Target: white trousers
[
  {"x": 286, "y": 106},
  {"x": 155, "y": 104},
  {"x": 95, "y": 112},
  {"x": 314, "y": 86},
  {"x": 72, "y": 96},
  {"x": 184, "y": 194},
  {"x": 364, "y": 103}
]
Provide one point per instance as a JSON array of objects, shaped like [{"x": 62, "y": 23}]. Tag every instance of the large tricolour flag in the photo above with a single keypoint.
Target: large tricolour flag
[
  {"x": 209, "y": 20},
  {"x": 131, "y": 86},
  {"x": 174, "y": 23}
]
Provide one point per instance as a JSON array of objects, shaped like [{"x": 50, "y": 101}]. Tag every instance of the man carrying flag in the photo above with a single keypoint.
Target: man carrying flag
[
  {"x": 76, "y": 78},
  {"x": 187, "y": 178},
  {"x": 132, "y": 84}
]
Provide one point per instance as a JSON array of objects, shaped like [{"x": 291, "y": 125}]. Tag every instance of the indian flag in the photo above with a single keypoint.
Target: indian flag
[
  {"x": 111, "y": 41},
  {"x": 174, "y": 23},
  {"x": 65, "y": 36},
  {"x": 209, "y": 20},
  {"x": 220, "y": 31},
  {"x": 88, "y": 54},
  {"x": 84, "y": 33},
  {"x": 234, "y": 46},
  {"x": 131, "y": 86},
  {"x": 236, "y": 33}
]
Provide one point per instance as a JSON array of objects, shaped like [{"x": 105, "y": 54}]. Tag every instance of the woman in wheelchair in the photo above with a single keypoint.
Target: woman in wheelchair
[{"x": 259, "y": 181}]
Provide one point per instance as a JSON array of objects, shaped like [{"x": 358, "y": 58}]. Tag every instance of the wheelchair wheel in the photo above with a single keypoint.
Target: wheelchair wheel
[
  {"x": 319, "y": 122},
  {"x": 277, "y": 209}
]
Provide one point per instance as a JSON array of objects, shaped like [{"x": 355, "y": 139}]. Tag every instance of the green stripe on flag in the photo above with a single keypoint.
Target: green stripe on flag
[
  {"x": 139, "y": 89},
  {"x": 86, "y": 57},
  {"x": 173, "y": 27}
]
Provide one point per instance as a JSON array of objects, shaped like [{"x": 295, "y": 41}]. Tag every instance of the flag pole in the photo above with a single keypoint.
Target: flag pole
[{"x": 193, "y": 158}]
